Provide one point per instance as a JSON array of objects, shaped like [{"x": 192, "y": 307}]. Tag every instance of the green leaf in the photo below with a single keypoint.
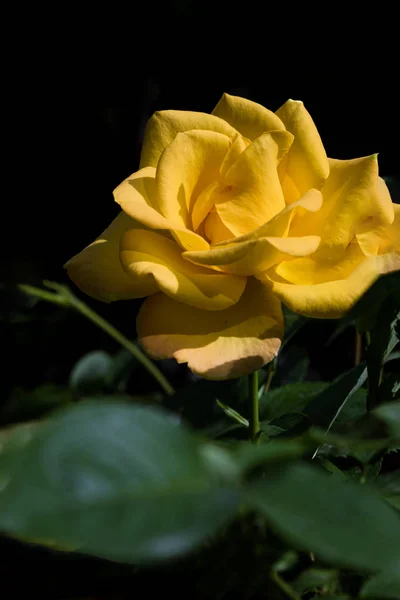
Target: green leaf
[
  {"x": 389, "y": 486},
  {"x": 384, "y": 585},
  {"x": 390, "y": 414},
  {"x": 291, "y": 398},
  {"x": 394, "y": 501},
  {"x": 354, "y": 409},
  {"x": 326, "y": 406},
  {"x": 287, "y": 422},
  {"x": 90, "y": 373},
  {"x": 330, "y": 467},
  {"x": 13, "y": 440},
  {"x": 332, "y": 444},
  {"x": 383, "y": 339},
  {"x": 390, "y": 388},
  {"x": 370, "y": 305},
  {"x": 246, "y": 456},
  {"x": 389, "y": 483},
  {"x": 233, "y": 414},
  {"x": 340, "y": 597},
  {"x": 343, "y": 523},
  {"x": 114, "y": 480},
  {"x": 313, "y": 578}
]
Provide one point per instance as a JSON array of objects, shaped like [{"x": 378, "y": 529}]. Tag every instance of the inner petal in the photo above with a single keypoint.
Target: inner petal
[
  {"x": 214, "y": 229},
  {"x": 187, "y": 166},
  {"x": 251, "y": 193}
]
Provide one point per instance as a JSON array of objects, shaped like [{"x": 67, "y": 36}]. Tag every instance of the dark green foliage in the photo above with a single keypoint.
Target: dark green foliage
[{"x": 165, "y": 489}]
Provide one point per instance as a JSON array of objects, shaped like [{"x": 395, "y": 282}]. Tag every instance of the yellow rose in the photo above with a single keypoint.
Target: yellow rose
[{"x": 228, "y": 214}]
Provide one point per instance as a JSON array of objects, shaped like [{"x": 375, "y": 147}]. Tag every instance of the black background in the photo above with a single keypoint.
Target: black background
[
  {"x": 85, "y": 85},
  {"x": 82, "y": 92}
]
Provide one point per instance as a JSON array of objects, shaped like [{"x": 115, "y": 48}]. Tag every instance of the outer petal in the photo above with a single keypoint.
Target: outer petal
[
  {"x": 382, "y": 238},
  {"x": 147, "y": 254},
  {"x": 249, "y": 118},
  {"x": 216, "y": 345},
  {"x": 254, "y": 256},
  {"x": 306, "y": 165},
  {"x": 137, "y": 197},
  {"x": 251, "y": 193},
  {"x": 98, "y": 272},
  {"x": 353, "y": 194},
  {"x": 163, "y": 127},
  {"x": 188, "y": 166},
  {"x": 334, "y": 298},
  {"x": 319, "y": 269}
]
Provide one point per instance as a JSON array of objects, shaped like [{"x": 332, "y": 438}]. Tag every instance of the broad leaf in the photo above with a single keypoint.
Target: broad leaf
[
  {"x": 247, "y": 456},
  {"x": 114, "y": 480},
  {"x": 369, "y": 306},
  {"x": 342, "y": 523},
  {"x": 326, "y": 406},
  {"x": 291, "y": 398},
  {"x": 384, "y": 585},
  {"x": 390, "y": 414},
  {"x": 383, "y": 339}
]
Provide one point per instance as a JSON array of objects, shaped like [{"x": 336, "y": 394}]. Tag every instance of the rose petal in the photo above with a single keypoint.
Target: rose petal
[
  {"x": 334, "y": 298},
  {"x": 147, "y": 254},
  {"x": 247, "y": 117},
  {"x": 98, "y": 272},
  {"x": 251, "y": 192},
  {"x": 306, "y": 165},
  {"x": 381, "y": 238},
  {"x": 319, "y": 269},
  {"x": 137, "y": 197},
  {"x": 254, "y": 256},
  {"x": 217, "y": 345},
  {"x": 238, "y": 145},
  {"x": 279, "y": 225},
  {"x": 163, "y": 127},
  {"x": 215, "y": 230},
  {"x": 353, "y": 194},
  {"x": 188, "y": 166}
]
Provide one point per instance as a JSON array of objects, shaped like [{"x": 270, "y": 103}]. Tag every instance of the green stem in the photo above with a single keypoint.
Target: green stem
[
  {"x": 63, "y": 296},
  {"x": 285, "y": 587},
  {"x": 254, "y": 419},
  {"x": 117, "y": 335}
]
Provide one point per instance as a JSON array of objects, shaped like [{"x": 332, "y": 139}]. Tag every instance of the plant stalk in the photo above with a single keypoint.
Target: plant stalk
[{"x": 254, "y": 412}]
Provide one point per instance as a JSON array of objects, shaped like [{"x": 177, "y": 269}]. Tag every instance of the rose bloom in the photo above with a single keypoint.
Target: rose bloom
[{"x": 230, "y": 214}]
